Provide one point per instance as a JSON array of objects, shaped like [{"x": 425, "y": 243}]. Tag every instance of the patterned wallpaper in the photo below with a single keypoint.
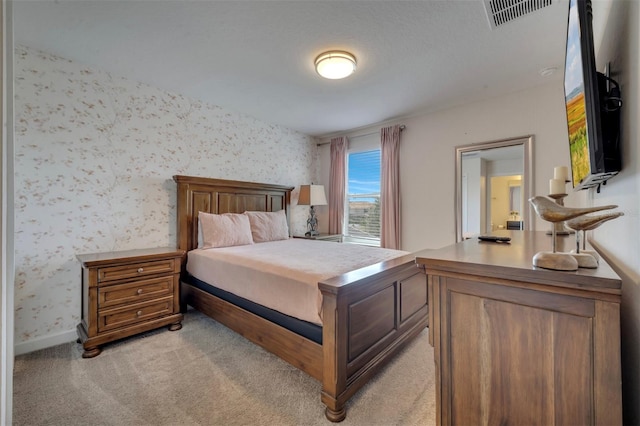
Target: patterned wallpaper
[{"x": 95, "y": 155}]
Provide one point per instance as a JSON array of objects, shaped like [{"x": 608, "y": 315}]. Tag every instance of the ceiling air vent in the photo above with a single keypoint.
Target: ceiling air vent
[{"x": 500, "y": 12}]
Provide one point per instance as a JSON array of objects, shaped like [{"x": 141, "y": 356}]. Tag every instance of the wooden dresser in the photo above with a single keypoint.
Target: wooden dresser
[
  {"x": 126, "y": 293},
  {"x": 519, "y": 345}
]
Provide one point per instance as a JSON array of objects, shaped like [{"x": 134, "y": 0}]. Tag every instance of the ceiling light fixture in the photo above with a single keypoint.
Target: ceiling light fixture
[{"x": 335, "y": 64}]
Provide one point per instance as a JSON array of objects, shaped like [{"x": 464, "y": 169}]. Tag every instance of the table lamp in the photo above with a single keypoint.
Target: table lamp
[{"x": 312, "y": 195}]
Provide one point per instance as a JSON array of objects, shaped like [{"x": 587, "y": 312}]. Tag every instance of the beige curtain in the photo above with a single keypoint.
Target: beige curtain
[
  {"x": 390, "y": 187},
  {"x": 337, "y": 184}
]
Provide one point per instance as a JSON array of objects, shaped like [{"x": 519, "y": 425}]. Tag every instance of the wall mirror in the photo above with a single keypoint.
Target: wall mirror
[{"x": 494, "y": 182}]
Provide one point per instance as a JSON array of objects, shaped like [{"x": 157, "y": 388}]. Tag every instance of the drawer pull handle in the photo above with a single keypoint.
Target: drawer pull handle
[
  {"x": 139, "y": 291},
  {"x": 138, "y": 313},
  {"x": 140, "y": 270}
]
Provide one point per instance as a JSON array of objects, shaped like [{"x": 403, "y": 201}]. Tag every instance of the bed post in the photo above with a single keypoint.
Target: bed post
[{"x": 334, "y": 359}]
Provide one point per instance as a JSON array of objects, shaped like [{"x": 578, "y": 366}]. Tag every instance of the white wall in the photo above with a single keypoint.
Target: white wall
[
  {"x": 95, "y": 156},
  {"x": 427, "y": 155},
  {"x": 616, "y": 31}
]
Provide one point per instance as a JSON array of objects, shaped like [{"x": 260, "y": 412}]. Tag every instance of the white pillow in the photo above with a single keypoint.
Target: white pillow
[
  {"x": 268, "y": 226},
  {"x": 224, "y": 230},
  {"x": 200, "y": 239}
]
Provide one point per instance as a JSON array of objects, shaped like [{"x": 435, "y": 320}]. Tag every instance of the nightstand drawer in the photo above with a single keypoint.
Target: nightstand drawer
[
  {"x": 109, "y": 319},
  {"x": 113, "y": 273},
  {"x": 133, "y": 292}
]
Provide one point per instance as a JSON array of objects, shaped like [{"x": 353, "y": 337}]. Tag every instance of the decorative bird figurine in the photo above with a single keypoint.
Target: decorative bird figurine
[
  {"x": 548, "y": 210},
  {"x": 553, "y": 212},
  {"x": 587, "y": 223}
]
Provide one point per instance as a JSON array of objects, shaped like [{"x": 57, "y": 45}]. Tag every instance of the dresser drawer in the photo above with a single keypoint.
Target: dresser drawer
[
  {"x": 121, "y": 272},
  {"x": 133, "y": 292},
  {"x": 109, "y": 319}
]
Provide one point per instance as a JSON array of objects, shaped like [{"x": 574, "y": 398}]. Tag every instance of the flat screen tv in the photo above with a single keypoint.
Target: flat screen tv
[{"x": 593, "y": 105}]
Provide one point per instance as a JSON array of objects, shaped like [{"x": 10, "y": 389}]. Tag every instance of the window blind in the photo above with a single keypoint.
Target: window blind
[{"x": 363, "y": 196}]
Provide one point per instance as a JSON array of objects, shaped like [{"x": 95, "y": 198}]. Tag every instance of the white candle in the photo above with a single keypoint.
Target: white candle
[
  {"x": 557, "y": 186},
  {"x": 561, "y": 172}
]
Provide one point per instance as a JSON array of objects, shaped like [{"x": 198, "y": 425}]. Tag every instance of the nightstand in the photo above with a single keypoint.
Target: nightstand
[
  {"x": 126, "y": 293},
  {"x": 324, "y": 237}
]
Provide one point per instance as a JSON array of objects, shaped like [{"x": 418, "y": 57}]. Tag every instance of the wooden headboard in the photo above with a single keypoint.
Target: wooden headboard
[{"x": 198, "y": 194}]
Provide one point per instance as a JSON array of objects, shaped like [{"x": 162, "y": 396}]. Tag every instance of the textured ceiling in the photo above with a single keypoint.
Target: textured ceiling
[{"x": 256, "y": 57}]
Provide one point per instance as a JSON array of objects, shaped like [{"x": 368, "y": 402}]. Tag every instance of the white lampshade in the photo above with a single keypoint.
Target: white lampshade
[
  {"x": 312, "y": 195},
  {"x": 335, "y": 65}
]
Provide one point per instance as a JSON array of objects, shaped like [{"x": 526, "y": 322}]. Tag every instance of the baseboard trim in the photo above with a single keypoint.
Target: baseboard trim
[{"x": 45, "y": 342}]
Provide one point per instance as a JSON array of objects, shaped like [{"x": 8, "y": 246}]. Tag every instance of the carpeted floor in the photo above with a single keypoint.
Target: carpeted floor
[{"x": 206, "y": 374}]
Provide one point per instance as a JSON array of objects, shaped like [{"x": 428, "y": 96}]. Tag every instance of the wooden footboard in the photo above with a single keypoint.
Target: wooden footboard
[{"x": 368, "y": 315}]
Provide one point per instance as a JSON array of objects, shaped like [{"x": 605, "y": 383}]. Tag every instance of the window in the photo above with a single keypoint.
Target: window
[{"x": 362, "y": 224}]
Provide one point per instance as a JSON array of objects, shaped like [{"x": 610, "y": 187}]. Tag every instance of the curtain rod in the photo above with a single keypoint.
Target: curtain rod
[{"x": 402, "y": 127}]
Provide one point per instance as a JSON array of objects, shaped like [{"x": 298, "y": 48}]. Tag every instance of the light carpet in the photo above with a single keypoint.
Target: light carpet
[{"x": 205, "y": 374}]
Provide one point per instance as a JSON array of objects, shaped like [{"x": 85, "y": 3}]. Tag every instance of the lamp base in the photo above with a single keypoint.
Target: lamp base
[{"x": 312, "y": 223}]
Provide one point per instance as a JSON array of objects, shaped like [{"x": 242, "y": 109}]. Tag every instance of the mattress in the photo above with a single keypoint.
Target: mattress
[{"x": 283, "y": 275}]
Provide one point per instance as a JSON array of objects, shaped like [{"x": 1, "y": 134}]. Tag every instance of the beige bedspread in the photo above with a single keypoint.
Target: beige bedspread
[{"x": 283, "y": 275}]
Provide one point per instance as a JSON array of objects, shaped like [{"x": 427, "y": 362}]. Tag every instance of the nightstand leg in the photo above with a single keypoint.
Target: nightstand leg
[{"x": 91, "y": 352}]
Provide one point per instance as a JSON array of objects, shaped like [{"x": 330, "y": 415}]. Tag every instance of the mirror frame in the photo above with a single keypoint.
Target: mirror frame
[{"x": 527, "y": 175}]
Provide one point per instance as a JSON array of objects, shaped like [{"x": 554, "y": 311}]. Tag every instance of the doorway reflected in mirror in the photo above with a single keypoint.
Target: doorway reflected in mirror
[
  {"x": 493, "y": 184},
  {"x": 506, "y": 200}
]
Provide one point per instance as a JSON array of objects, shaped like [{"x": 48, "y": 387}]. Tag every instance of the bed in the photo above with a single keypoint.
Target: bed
[{"x": 368, "y": 314}]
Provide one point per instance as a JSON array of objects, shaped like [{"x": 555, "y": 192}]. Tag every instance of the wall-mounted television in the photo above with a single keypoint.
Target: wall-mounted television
[{"x": 593, "y": 105}]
